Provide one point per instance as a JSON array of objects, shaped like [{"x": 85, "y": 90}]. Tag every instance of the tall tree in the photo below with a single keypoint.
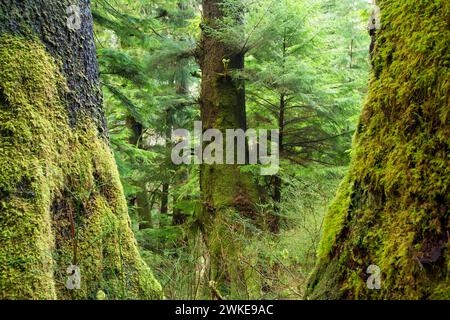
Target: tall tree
[
  {"x": 387, "y": 234},
  {"x": 224, "y": 187},
  {"x": 142, "y": 200},
  {"x": 293, "y": 87},
  {"x": 61, "y": 200},
  {"x": 142, "y": 69}
]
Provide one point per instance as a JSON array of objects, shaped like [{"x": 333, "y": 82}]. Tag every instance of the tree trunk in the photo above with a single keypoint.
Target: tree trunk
[
  {"x": 274, "y": 223},
  {"x": 165, "y": 199},
  {"x": 224, "y": 188},
  {"x": 181, "y": 83},
  {"x": 61, "y": 200},
  {"x": 142, "y": 201},
  {"x": 274, "y": 220},
  {"x": 387, "y": 234}
]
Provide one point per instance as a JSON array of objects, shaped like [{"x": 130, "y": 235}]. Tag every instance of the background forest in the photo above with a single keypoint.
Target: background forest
[
  {"x": 95, "y": 95},
  {"x": 306, "y": 74}
]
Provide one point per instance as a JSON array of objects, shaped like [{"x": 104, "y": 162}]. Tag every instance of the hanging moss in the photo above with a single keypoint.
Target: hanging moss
[
  {"x": 51, "y": 173},
  {"x": 393, "y": 208}
]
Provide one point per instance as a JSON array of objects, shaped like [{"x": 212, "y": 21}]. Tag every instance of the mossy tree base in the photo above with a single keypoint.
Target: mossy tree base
[
  {"x": 51, "y": 175},
  {"x": 58, "y": 178},
  {"x": 393, "y": 208}
]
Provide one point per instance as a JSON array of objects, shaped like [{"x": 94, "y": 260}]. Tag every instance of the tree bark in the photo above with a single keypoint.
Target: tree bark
[
  {"x": 274, "y": 222},
  {"x": 181, "y": 83},
  {"x": 387, "y": 234},
  {"x": 142, "y": 201},
  {"x": 61, "y": 200},
  {"x": 224, "y": 188},
  {"x": 165, "y": 198}
]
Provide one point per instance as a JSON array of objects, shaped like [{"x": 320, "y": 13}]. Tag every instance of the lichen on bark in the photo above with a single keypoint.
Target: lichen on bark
[{"x": 57, "y": 172}]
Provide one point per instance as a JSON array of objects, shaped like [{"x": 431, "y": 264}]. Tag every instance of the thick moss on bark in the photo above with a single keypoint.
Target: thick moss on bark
[
  {"x": 57, "y": 173},
  {"x": 74, "y": 49},
  {"x": 393, "y": 208},
  {"x": 52, "y": 173}
]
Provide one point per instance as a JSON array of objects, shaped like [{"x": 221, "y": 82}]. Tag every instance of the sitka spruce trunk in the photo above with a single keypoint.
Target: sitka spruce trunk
[
  {"x": 61, "y": 200},
  {"x": 386, "y": 235},
  {"x": 226, "y": 191}
]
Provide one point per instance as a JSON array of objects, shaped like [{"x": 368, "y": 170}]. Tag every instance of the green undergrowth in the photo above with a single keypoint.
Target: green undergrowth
[
  {"x": 55, "y": 178},
  {"x": 255, "y": 263}
]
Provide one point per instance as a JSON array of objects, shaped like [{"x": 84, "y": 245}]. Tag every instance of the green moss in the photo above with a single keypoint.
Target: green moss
[
  {"x": 231, "y": 186},
  {"x": 393, "y": 207},
  {"x": 324, "y": 286},
  {"x": 49, "y": 173},
  {"x": 335, "y": 219}
]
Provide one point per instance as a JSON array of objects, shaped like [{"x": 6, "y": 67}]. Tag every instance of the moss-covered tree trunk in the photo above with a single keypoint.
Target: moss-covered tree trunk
[
  {"x": 61, "y": 201},
  {"x": 225, "y": 189},
  {"x": 392, "y": 210}
]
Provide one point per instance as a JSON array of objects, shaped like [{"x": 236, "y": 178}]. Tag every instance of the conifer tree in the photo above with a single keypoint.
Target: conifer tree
[
  {"x": 62, "y": 208},
  {"x": 387, "y": 232},
  {"x": 225, "y": 189}
]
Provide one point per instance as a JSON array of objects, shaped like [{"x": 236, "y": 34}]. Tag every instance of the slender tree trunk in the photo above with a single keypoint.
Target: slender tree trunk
[
  {"x": 274, "y": 223},
  {"x": 387, "y": 234},
  {"x": 224, "y": 188},
  {"x": 166, "y": 186},
  {"x": 165, "y": 198},
  {"x": 141, "y": 202},
  {"x": 222, "y": 107},
  {"x": 144, "y": 208},
  {"x": 182, "y": 88},
  {"x": 61, "y": 201}
]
